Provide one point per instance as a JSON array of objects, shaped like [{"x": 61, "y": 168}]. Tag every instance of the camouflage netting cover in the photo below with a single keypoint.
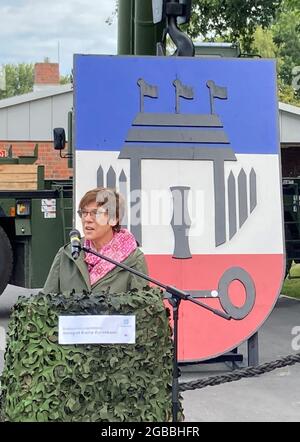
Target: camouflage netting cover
[{"x": 45, "y": 381}]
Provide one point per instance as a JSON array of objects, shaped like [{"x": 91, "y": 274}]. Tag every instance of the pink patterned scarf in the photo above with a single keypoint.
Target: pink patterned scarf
[{"x": 119, "y": 248}]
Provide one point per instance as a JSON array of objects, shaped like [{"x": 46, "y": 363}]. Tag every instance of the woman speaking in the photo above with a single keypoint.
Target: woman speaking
[{"x": 101, "y": 211}]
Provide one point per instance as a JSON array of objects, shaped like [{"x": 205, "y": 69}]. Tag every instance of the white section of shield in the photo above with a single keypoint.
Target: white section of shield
[{"x": 260, "y": 234}]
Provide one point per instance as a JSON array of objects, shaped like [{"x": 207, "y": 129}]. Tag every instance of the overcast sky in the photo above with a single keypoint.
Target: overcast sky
[{"x": 31, "y": 30}]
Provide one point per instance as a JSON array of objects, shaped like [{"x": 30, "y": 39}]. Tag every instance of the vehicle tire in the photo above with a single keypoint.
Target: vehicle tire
[{"x": 6, "y": 260}]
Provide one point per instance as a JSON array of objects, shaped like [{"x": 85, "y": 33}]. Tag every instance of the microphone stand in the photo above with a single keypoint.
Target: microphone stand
[{"x": 175, "y": 299}]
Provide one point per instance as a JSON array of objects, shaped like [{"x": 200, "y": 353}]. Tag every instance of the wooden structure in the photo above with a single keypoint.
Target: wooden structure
[{"x": 21, "y": 177}]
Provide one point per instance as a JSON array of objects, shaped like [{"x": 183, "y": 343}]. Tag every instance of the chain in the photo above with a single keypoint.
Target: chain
[{"x": 239, "y": 374}]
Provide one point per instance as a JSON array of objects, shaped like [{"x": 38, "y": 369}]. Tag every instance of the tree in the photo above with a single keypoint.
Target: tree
[
  {"x": 265, "y": 46},
  {"x": 19, "y": 79},
  {"x": 231, "y": 20},
  {"x": 263, "y": 43},
  {"x": 65, "y": 79},
  {"x": 286, "y": 93},
  {"x": 282, "y": 41},
  {"x": 286, "y": 33}
]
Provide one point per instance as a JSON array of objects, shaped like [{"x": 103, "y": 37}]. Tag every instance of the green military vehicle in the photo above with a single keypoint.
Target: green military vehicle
[
  {"x": 35, "y": 219},
  {"x": 291, "y": 204}
]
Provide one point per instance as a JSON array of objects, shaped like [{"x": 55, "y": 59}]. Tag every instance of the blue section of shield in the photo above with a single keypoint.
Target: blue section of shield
[{"x": 107, "y": 98}]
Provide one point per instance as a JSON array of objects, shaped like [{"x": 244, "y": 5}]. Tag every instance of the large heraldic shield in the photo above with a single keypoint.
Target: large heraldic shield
[{"x": 193, "y": 146}]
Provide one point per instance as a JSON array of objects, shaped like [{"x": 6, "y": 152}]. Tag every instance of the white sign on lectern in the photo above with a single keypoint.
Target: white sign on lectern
[{"x": 96, "y": 329}]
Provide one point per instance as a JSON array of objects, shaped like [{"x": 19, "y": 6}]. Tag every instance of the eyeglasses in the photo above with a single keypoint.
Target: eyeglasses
[{"x": 94, "y": 213}]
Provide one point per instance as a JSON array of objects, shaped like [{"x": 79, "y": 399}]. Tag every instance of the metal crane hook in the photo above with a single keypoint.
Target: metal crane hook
[
  {"x": 185, "y": 46},
  {"x": 183, "y": 43}
]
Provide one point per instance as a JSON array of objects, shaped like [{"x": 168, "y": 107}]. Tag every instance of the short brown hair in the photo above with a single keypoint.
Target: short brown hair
[{"x": 110, "y": 199}]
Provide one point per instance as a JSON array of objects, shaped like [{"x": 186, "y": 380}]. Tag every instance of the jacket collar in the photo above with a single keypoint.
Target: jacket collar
[
  {"x": 80, "y": 264},
  {"x": 83, "y": 268}
]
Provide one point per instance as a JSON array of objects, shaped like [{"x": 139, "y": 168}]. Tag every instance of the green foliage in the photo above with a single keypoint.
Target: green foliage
[
  {"x": 19, "y": 79},
  {"x": 263, "y": 43},
  {"x": 66, "y": 79},
  {"x": 44, "y": 381},
  {"x": 265, "y": 46},
  {"x": 232, "y": 20},
  {"x": 286, "y": 93},
  {"x": 286, "y": 33},
  {"x": 291, "y": 286}
]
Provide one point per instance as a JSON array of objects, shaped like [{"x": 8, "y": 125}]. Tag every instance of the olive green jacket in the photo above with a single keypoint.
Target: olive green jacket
[{"x": 67, "y": 274}]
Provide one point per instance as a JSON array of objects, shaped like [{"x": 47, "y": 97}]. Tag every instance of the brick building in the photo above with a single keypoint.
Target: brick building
[{"x": 29, "y": 119}]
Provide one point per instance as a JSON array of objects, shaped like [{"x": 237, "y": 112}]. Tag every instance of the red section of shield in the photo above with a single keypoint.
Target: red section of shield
[{"x": 203, "y": 335}]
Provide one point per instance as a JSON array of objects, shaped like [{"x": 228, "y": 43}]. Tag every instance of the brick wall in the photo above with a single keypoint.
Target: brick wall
[
  {"x": 46, "y": 73},
  {"x": 55, "y": 167}
]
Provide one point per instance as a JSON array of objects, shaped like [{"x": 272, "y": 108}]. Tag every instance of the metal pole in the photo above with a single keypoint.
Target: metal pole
[
  {"x": 175, "y": 302},
  {"x": 70, "y": 139},
  {"x": 125, "y": 27},
  {"x": 253, "y": 358},
  {"x": 146, "y": 34}
]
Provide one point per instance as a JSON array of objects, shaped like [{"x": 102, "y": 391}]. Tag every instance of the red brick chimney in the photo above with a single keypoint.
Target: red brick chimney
[{"x": 46, "y": 75}]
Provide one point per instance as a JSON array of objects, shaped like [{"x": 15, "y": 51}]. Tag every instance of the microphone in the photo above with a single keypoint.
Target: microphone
[{"x": 75, "y": 243}]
